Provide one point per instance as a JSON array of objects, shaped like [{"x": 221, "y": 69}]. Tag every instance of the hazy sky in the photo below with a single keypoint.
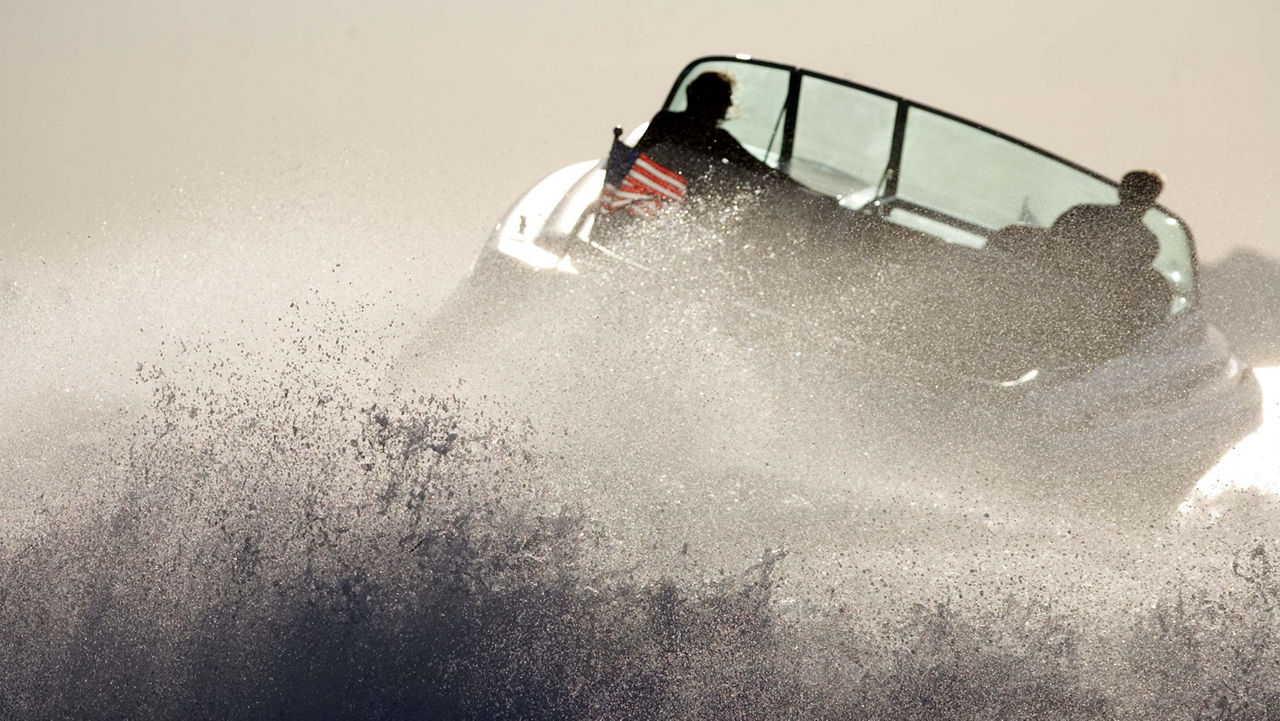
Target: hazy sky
[
  {"x": 170, "y": 167},
  {"x": 437, "y": 115},
  {"x": 176, "y": 171}
]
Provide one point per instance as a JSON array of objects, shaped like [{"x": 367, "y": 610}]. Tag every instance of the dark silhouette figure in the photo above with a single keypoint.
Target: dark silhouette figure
[
  {"x": 1109, "y": 247},
  {"x": 692, "y": 143}
]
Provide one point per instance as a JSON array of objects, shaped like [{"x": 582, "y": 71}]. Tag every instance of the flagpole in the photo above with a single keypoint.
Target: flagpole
[{"x": 595, "y": 212}]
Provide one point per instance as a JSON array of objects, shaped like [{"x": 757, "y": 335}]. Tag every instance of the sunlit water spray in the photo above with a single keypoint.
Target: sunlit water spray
[
  {"x": 1253, "y": 464},
  {"x": 279, "y": 537}
]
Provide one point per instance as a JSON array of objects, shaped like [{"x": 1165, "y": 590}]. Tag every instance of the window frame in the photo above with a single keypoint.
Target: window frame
[{"x": 886, "y": 198}]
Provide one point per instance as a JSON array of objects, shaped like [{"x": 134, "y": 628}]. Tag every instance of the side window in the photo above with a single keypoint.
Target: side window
[
  {"x": 976, "y": 176},
  {"x": 989, "y": 182},
  {"x": 842, "y": 140},
  {"x": 1174, "y": 261},
  {"x": 759, "y": 101}
]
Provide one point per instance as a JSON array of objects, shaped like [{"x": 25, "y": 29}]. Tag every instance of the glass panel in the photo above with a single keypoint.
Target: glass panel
[
  {"x": 1174, "y": 260},
  {"x": 842, "y": 140},
  {"x": 971, "y": 174},
  {"x": 759, "y": 101},
  {"x": 974, "y": 175}
]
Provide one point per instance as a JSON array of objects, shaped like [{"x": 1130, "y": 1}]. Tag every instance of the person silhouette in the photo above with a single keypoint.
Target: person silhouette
[
  {"x": 692, "y": 142},
  {"x": 1109, "y": 247}
]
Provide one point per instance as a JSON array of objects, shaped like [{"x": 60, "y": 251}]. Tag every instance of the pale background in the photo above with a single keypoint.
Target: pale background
[
  {"x": 170, "y": 167},
  {"x": 176, "y": 173}
]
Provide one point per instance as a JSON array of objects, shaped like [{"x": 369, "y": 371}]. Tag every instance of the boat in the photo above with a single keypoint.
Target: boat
[{"x": 904, "y": 264}]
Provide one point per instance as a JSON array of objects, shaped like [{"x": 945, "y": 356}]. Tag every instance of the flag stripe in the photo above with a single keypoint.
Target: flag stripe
[
  {"x": 635, "y": 182},
  {"x": 639, "y": 180},
  {"x": 673, "y": 182}
]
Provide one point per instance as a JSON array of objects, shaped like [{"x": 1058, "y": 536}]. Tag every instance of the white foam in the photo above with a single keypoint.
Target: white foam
[{"x": 1253, "y": 464}]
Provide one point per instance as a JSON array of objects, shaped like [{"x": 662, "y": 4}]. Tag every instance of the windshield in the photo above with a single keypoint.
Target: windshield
[
  {"x": 759, "y": 105},
  {"x": 986, "y": 180},
  {"x": 843, "y": 139},
  {"x": 916, "y": 167}
]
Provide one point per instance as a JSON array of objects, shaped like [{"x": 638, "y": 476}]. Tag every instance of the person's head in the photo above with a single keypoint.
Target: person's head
[
  {"x": 1140, "y": 188},
  {"x": 710, "y": 95}
]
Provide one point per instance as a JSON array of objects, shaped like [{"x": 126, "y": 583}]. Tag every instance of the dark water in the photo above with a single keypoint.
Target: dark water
[{"x": 275, "y": 535}]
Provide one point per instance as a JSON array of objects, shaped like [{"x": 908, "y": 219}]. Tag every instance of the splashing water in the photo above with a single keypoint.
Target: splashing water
[
  {"x": 1252, "y": 465},
  {"x": 277, "y": 538}
]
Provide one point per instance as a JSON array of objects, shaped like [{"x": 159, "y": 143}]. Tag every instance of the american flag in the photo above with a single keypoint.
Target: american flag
[{"x": 633, "y": 181}]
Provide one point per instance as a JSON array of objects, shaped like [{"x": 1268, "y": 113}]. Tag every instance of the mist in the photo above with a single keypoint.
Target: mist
[{"x": 222, "y": 227}]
